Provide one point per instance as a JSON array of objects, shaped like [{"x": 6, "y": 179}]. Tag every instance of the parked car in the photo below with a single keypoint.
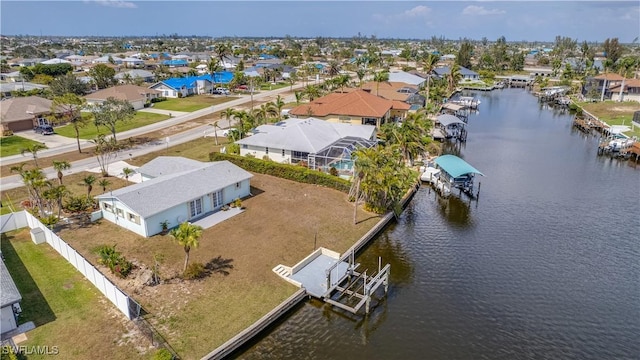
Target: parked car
[
  {"x": 221, "y": 91},
  {"x": 44, "y": 130},
  {"x": 242, "y": 88}
]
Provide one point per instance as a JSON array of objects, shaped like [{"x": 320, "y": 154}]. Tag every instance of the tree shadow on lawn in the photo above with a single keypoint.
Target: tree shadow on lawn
[
  {"x": 219, "y": 266},
  {"x": 34, "y": 305}
]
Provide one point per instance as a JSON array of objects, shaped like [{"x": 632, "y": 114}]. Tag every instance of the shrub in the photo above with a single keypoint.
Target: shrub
[
  {"x": 237, "y": 202},
  {"x": 114, "y": 260},
  {"x": 333, "y": 171},
  {"x": 78, "y": 204},
  {"x": 158, "y": 99},
  {"x": 162, "y": 354},
  {"x": 233, "y": 149},
  {"x": 285, "y": 171},
  {"x": 194, "y": 271}
]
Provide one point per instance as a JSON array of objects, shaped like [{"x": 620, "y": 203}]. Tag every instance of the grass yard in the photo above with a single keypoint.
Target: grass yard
[
  {"x": 90, "y": 131},
  {"x": 13, "y": 145},
  {"x": 192, "y": 103},
  {"x": 68, "y": 311},
  {"x": 269, "y": 86},
  {"x": 197, "y": 316},
  {"x": 614, "y": 113}
]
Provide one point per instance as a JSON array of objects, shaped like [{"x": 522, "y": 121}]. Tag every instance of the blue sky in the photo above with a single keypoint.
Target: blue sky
[{"x": 516, "y": 20}]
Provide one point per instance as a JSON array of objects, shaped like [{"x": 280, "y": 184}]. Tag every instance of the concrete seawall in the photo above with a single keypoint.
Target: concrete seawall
[{"x": 256, "y": 328}]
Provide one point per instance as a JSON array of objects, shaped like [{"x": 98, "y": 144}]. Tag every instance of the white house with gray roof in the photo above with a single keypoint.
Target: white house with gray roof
[
  {"x": 292, "y": 140},
  {"x": 174, "y": 190},
  {"x": 9, "y": 299}
]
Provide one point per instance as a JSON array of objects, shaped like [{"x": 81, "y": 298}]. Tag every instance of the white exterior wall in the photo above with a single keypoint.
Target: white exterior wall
[
  {"x": 8, "y": 320},
  {"x": 174, "y": 216},
  {"x": 166, "y": 91},
  {"x": 122, "y": 221},
  {"x": 259, "y": 153},
  {"x": 615, "y": 96},
  {"x": 232, "y": 192}
]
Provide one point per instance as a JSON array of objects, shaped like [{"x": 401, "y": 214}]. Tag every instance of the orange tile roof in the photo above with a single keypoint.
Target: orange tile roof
[
  {"x": 628, "y": 83},
  {"x": 609, "y": 77},
  {"x": 394, "y": 85},
  {"x": 354, "y": 103}
]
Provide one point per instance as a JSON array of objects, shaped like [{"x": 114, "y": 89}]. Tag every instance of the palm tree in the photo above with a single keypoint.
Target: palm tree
[
  {"x": 127, "y": 172},
  {"x": 104, "y": 183},
  {"x": 223, "y": 50},
  {"x": 56, "y": 193},
  {"x": 88, "y": 182},
  {"x": 213, "y": 66},
  {"x": 215, "y": 131},
  {"x": 33, "y": 150},
  {"x": 312, "y": 92},
  {"x": 342, "y": 81},
  {"x": 361, "y": 73},
  {"x": 333, "y": 68},
  {"x": 279, "y": 104},
  {"x": 454, "y": 77},
  {"x": 34, "y": 180},
  {"x": 187, "y": 235},
  {"x": 429, "y": 64},
  {"x": 71, "y": 105},
  {"x": 380, "y": 76},
  {"x": 60, "y": 166}
]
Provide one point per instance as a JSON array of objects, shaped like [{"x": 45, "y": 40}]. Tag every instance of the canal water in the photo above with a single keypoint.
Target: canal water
[{"x": 546, "y": 265}]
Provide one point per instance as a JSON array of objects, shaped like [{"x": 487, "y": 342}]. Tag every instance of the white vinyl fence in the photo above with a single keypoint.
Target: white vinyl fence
[{"x": 129, "y": 307}]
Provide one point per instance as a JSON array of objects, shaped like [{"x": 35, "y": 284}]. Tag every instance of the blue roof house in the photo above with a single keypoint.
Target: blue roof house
[{"x": 182, "y": 87}]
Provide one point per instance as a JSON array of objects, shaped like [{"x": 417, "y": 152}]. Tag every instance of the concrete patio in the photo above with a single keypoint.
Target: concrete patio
[{"x": 217, "y": 217}]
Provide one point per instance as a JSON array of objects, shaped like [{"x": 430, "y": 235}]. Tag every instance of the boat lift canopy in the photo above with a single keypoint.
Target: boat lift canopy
[
  {"x": 453, "y": 107},
  {"x": 455, "y": 166},
  {"x": 446, "y": 120}
]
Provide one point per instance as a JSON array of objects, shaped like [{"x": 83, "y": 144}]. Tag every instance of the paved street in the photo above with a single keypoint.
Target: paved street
[{"x": 13, "y": 181}]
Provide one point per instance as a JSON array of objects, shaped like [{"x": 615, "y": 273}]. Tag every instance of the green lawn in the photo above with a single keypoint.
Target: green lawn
[
  {"x": 269, "y": 86},
  {"x": 13, "y": 145},
  {"x": 613, "y": 113},
  {"x": 90, "y": 131},
  {"x": 192, "y": 103},
  {"x": 63, "y": 304}
]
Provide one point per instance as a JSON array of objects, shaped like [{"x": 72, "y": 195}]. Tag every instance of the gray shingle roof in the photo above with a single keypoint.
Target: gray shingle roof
[
  {"x": 9, "y": 294},
  {"x": 167, "y": 165},
  {"x": 405, "y": 77},
  {"x": 156, "y": 195},
  {"x": 306, "y": 135}
]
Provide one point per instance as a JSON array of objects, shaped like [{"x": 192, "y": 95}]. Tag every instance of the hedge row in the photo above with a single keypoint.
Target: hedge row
[{"x": 286, "y": 171}]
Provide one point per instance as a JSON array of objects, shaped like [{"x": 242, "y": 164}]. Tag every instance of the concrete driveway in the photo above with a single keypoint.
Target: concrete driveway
[{"x": 51, "y": 141}]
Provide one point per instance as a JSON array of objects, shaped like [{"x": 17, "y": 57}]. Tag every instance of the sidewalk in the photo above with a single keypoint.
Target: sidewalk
[{"x": 245, "y": 99}]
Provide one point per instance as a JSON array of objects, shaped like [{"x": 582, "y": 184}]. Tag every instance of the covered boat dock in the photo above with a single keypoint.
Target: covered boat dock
[
  {"x": 457, "y": 173},
  {"x": 452, "y": 126}
]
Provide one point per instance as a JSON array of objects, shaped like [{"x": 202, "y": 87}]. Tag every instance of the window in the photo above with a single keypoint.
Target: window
[
  {"x": 217, "y": 198},
  {"x": 245, "y": 146},
  {"x": 282, "y": 152},
  {"x": 119, "y": 212},
  {"x": 107, "y": 207},
  {"x": 266, "y": 150},
  {"x": 133, "y": 218},
  {"x": 195, "y": 207},
  {"x": 238, "y": 185},
  {"x": 344, "y": 119},
  {"x": 299, "y": 156}
]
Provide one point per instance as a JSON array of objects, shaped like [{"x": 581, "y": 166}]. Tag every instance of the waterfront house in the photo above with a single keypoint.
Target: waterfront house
[
  {"x": 394, "y": 90},
  {"x": 357, "y": 107},
  {"x": 174, "y": 190},
  {"x": 467, "y": 74},
  {"x": 9, "y": 300},
  {"x": 405, "y": 77},
  {"x": 599, "y": 87},
  {"x": 628, "y": 90},
  {"x": 135, "y": 95},
  {"x": 317, "y": 142}
]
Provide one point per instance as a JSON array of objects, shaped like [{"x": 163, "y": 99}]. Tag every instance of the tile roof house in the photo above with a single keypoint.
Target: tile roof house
[
  {"x": 137, "y": 96},
  {"x": 355, "y": 107},
  {"x": 600, "y": 86},
  {"x": 181, "y": 190},
  {"x": 24, "y": 113},
  {"x": 9, "y": 298},
  {"x": 628, "y": 90},
  {"x": 311, "y": 140},
  {"x": 394, "y": 90}
]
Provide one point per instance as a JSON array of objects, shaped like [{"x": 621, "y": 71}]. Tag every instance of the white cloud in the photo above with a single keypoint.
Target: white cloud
[
  {"x": 114, "y": 3},
  {"x": 480, "y": 10},
  {"x": 417, "y": 13}
]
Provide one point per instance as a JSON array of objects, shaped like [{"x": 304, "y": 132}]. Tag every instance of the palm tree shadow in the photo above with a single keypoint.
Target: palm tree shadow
[
  {"x": 369, "y": 218},
  {"x": 219, "y": 265}
]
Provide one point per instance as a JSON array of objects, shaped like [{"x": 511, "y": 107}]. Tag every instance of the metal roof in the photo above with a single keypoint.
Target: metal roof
[
  {"x": 446, "y": 120},
  {"x": 455, "y": 166},
  {"x": 9, "y": 294}
]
